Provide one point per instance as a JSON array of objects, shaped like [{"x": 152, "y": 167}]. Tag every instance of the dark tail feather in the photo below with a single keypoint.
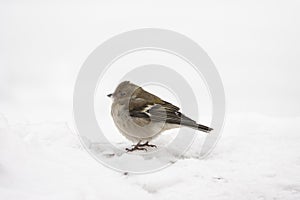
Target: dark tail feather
[
  {"x": 198, "y": 127},
  {"x": 204, "y": 128},
  {"x": 185, "y": 121}
]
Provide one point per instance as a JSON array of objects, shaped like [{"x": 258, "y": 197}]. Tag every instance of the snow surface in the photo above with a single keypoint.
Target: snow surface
[{"x": 256, "y": 158}]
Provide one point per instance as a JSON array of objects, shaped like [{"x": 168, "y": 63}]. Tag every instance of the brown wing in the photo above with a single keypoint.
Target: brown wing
[
  {"x": 146, "y": 105},
  {"x": 150, "y": 107},
  {"x": 142, "y": 98}
]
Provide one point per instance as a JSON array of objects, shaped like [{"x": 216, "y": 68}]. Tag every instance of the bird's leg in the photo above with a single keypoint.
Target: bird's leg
[
  {"x": 136, "y": 147},
  {"x": 146, "y": 144},
  {"x": 138, "y": 144}
]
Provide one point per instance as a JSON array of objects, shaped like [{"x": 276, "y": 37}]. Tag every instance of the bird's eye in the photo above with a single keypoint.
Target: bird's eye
[{"x": 123, "y": 93}]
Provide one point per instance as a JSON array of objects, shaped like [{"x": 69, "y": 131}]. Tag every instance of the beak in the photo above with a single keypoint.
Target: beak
[{"x": 109, "y": 95}]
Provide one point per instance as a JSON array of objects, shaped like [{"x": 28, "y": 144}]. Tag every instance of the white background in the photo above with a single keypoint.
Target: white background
[{"x": 255, "y": 46}]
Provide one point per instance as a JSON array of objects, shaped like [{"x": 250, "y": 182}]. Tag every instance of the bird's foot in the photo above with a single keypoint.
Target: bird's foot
[
  {"x": 140, "y": 146},
  {"x": 146, "y": 144},
  {"x": 136, "y": 148}
]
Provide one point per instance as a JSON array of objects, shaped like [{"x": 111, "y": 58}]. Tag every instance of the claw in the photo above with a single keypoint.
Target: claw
[
  {"x": 140, "y": 146},
  {"x": 148, "y": 145},
  {"x": 135, "y": 148}
]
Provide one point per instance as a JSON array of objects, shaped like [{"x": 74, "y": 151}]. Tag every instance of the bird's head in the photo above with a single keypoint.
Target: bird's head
[{"x": 123, "y": 91}]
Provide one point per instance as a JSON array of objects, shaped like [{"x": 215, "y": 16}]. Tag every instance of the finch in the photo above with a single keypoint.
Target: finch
[{"x": 141, "y": 116}]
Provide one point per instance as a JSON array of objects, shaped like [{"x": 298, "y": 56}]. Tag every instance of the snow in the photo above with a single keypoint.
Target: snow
[
  {"x": 257, "y": 157},
  {"x": 255, "y": 46}
]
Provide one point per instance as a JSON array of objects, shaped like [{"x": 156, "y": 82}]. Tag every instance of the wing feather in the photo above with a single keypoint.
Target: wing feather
[{"x": 146, "y": 105}]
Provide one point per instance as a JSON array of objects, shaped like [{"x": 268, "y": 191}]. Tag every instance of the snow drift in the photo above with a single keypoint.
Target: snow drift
[{"x": 256, "y": 158}]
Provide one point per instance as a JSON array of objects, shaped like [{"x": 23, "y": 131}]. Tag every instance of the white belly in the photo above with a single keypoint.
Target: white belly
[{"x": 135, "y": 129}]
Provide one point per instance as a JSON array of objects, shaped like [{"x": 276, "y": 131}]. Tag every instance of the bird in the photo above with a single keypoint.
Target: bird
[{"x": 141, "y": 116}]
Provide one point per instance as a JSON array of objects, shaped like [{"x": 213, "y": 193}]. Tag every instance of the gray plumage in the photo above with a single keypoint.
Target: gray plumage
[{"x": 142, "y": 116}]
